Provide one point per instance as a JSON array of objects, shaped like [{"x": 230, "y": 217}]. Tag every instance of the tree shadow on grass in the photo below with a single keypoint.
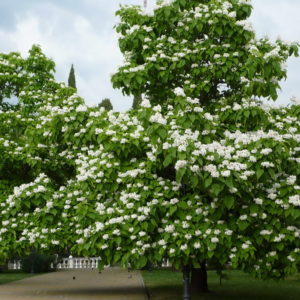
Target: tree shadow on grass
[
  {"x": 171, "y": 292},
  {"x": 98, "y": 291}
]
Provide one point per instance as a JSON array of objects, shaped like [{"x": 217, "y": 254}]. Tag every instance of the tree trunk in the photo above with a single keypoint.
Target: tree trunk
[
  {"x": 199, "y": 279},
  {"x": 186, "y": 283}
]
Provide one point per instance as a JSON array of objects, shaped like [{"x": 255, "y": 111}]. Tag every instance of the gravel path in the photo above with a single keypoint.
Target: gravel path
[{"x": 111, "y": 284}]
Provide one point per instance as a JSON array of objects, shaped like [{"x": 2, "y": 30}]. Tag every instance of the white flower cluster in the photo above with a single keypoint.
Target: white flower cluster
[{"x": 295, "y": 200}]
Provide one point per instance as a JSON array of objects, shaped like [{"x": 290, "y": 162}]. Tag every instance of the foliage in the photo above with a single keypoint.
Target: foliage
[
  {"x": 106, "y": 104},
  {"x": 21, "y": 77},
  {"x": 206, "y": 47},
  {"x": 108, "y": 184},
  {"x": 37, "y": 263}
]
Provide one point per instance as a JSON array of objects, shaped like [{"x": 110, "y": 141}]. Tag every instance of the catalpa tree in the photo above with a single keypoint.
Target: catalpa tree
[
  {"x": 209, "y": 50},
  {"x": 241, "y": 201},
  {"x": 26, "y": 80},
  {"x": 207, "y": 47},
  {"x": 208, "y": 173},
  {"x": 30, "y": 81}
]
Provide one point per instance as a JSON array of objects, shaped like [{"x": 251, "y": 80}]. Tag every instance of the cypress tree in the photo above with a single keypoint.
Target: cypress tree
[
  {"x": 137, "y": 99},
  {"x": 72, "y": 79}
]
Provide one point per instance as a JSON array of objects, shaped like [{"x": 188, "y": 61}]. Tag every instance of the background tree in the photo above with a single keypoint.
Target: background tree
[
  {"x": 31, "y": 80},
  {"x": 106, "y": 103},
  {"x": 137, "y": 99},
  {"x": 206, "y": 47},
  {"x": 18, "y": 77},
  {"x": 71, "y": 78}
]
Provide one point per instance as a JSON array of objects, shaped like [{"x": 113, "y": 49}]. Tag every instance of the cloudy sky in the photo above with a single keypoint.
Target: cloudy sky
[{"x": 81, "y": 32}]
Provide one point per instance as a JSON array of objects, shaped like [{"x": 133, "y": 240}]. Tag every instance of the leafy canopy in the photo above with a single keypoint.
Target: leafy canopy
[{"x": 121, "y": 197}]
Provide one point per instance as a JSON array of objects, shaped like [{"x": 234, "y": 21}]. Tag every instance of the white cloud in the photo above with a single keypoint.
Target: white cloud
[
  {"x": 81, "y": 32},
  {"x": 69, "y": 37},
  {"x": 279, "y": 18}
]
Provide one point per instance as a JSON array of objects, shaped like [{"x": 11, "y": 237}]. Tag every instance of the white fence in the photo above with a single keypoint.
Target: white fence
[
  {"x": 14, "y": 265},
  {"x": 72, "y": 263},
  {"x": 78, "y": 263},
  {"x": 65, "y": 263}
]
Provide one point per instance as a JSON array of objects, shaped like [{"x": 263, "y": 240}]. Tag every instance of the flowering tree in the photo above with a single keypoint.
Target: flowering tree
[
  {"x": 214, "y": 176},
  {"x": 31, "y": 81},
  {"x": 208, "y": 49},
  {"x": 26, "y": 79}
]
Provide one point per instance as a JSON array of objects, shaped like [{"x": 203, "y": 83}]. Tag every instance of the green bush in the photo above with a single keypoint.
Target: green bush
[
  {"x": 3, "y": 268},
  {"x": 37, "y": 263}
]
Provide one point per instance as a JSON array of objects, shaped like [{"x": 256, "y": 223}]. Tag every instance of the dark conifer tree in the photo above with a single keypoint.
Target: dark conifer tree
[
  {"x": 72, "y": 79},
  {"x": 136, "y": 101}
]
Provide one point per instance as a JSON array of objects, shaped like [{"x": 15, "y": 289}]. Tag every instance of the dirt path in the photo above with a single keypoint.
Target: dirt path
[{"x": 111, "y": 284}]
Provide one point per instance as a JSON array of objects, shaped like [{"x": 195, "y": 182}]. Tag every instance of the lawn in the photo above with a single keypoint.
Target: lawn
[
  {"x": 167, "y": 285},
  {"x": 13, "y": 276}
]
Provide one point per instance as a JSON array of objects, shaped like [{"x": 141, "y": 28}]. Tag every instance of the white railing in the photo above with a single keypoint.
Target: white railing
[
  {"x": 64, "y": 264},
  {"x": 166, "y": 263},
  {"x": 14, "y": 265},
  {"x": 73, "y": 263},
  {"x": 78, "y": 263}
]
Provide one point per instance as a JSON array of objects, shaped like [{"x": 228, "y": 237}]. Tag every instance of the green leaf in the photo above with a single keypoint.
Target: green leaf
[
  {"x": 195, "y": 181},
  {"x": 217, "y": 188},
  {"x": 139, "y": 79},
  {"x": 168, "y": 160},
  {"x": 272, "y": 173},
  {"x": 280, "y": 246},
  {"x": 116, "y": 257},
  {"x": 246, "y": 113},
  {"x": 173, "y": 209},
  {"x": 182, "y": 205},
  {"x": 242, "y": 225},
  {"x": 179, "y": 174},
  {"x": 144, "y": 225},
  {"x": 259, "y": 172},
  {"x": 199, "y": 27},
  {"x": 228, "y": 182},
  {"x": 210, "y": 254},
  {"x": 142, "y": 261},
  {"x": 229, "y": 201},
  {"x": 162, "y": 132},
  {"x": 219, "y": 30},
  {"x": 208, "y": 181}
]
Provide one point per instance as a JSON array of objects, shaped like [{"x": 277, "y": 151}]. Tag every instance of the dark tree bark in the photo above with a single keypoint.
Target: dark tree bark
[
  {"x": 199, "y": 279},
  {"x": 186, "y": 283}
]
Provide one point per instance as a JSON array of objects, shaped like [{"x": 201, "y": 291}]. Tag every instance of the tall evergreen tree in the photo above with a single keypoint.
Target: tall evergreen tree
[
  {"x": 72, "y": 79},
  {"x": 137, "y": 99},
  {"x": 106, "y": 104}
]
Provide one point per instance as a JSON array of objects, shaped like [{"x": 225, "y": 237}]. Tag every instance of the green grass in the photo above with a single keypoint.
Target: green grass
[
  {"x": 167, "y": 285},
  {"x": 13, "y": 276}
]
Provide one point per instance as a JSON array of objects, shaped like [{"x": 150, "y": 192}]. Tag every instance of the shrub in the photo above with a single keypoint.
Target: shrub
[{"x": 37, "y": 263}]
